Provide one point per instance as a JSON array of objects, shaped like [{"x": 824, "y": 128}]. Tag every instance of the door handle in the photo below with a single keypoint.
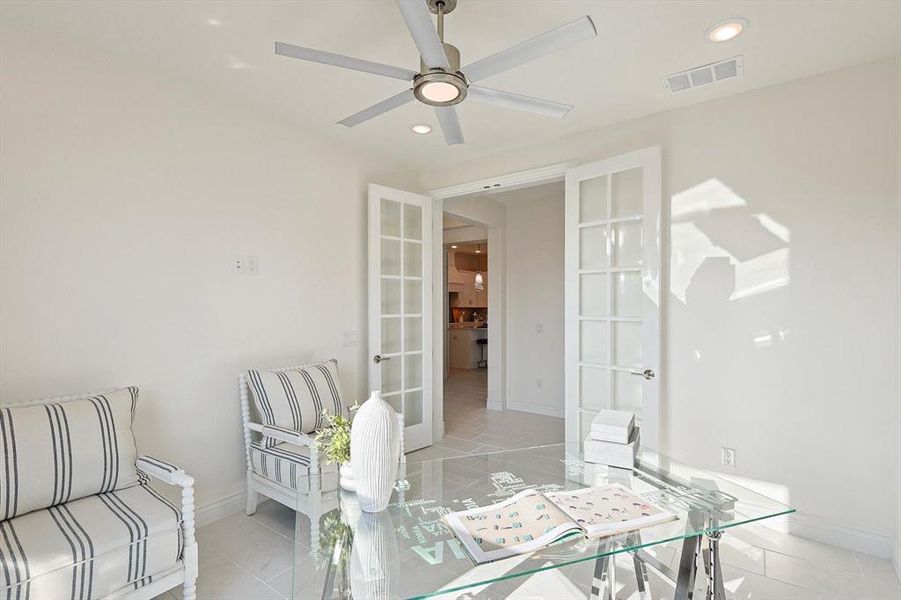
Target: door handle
[
  {"x": 377, "y": 358},
  {"x": 647, "y": 374}
]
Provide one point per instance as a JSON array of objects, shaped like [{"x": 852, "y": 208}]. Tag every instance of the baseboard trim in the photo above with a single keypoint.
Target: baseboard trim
[
  {"x": 219, "y": 509},
  {"x": 537, "y": 409},
  {"x": 829, "y": 532}
]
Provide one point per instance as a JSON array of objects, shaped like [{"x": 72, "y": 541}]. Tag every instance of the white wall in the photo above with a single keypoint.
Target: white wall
[
  {"x": 124, "y": 196},
  {"x": 535, "y": 297},
  {"x": 782, "y": 318}
]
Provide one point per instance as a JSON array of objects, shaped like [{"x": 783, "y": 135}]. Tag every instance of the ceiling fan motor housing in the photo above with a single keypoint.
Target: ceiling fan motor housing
[{"x": 452, "y": 77}]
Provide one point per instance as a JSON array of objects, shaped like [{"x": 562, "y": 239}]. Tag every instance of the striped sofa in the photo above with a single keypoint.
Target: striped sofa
[
  {"x": 282, "y": 410},
  {"x": 79, "y": 517}
]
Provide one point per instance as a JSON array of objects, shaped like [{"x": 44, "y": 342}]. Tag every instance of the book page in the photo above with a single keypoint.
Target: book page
[
  {"x": 522, "y": 523},
  {"x": 609, "y": 509}
]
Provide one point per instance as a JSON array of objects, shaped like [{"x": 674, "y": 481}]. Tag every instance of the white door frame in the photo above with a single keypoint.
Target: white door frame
[{"x": 497, "y": 371}]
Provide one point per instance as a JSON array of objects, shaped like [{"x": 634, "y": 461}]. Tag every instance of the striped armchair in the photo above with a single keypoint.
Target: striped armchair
[
  {"x": 79, "y": 518},
  {"x": 281, "y": 411}
]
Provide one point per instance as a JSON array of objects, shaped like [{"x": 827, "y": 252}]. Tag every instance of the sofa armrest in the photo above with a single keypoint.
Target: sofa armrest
[
  {"x": 173, "y": 475},
  {"x": 165, "y": 472},
  {"x": 287, "y": 435}
]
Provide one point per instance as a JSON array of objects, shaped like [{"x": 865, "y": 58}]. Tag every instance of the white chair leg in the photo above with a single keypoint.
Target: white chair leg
[
  {"x": 189, "y": 589},
  {"x": 251, "y": 496},
  {"x": 314, "y": 512}
]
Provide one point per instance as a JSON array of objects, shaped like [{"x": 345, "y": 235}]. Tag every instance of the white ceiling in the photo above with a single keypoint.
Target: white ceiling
[
  {"x": 227, "y": 48},
  {"x": 482, "y": 248}
]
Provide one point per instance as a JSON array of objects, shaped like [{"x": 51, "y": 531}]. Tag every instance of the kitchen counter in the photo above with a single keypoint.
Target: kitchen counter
[
  {"x": 466, "y": 325},
  {"x": 464, "y": 351}
]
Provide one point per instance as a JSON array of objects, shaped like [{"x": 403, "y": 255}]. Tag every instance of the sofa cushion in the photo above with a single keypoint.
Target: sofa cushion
[
  {"x": 295, "y": 399},
  {"x": 53, "y": 453},
  {"x": 91, "y": 547}
]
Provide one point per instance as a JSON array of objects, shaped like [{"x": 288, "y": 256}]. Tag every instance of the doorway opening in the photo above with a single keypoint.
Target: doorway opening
[
  {"x": 504, "y": 311},
  {"x": 466, "y": 322}
]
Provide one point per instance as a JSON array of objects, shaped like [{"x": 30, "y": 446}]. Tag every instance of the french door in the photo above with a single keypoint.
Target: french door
[
  {"x": 612, "y": 291},
  {"x": 400, "y": 307}
]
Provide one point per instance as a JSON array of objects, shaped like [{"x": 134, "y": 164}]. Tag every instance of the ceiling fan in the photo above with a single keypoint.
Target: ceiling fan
[{"x": 440, "y": 82}]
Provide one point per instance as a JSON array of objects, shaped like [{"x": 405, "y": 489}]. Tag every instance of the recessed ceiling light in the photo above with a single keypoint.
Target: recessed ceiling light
[
  {"x": 478, "y": 251},
  {"x": 213, "y": 22},
  {"x": 454, "y": 247},
  {"x": 421, "y": 129},
  {"x": 727, "y": 30}
]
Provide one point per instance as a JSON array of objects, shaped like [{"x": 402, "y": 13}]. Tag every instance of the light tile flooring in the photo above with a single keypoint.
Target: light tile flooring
[{"x": 251, "y": 557}]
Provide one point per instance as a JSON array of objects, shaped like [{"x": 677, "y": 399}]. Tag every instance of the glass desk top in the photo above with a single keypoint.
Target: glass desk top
[{"x": 407, "y": 550}]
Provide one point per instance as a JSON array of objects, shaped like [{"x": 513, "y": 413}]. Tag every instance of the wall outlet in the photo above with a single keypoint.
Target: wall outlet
[
  {"x": 237, "y": 263},
  {"x": 350, "y": 338},
  {"x": 539, "y": 328},
  {"x": 251, "y": 265},
  {"x": 728, "y": 456},
  {"x": 539, "y": 383}
]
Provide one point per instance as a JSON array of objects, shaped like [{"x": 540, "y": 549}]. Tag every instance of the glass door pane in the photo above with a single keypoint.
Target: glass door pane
[
  {"x": 613, "y": 287},
  {"x": 610, "y": 255},
  {"x": 400, "y": 227}
]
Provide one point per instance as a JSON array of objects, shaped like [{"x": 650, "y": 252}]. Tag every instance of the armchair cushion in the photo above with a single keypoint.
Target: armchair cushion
[
  {"x": 284, "y": 463},
  {"x": 91, "y": 547},
  {"x": 295, "y": 399},
  {"x": 55, "y": 453}
]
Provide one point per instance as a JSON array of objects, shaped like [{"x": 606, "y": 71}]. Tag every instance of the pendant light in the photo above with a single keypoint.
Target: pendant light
[{"x": 479, "y": 282}]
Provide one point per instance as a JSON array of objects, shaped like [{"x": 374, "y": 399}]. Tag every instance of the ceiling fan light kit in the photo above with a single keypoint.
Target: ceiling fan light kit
[{"x": 441, "y": 82}]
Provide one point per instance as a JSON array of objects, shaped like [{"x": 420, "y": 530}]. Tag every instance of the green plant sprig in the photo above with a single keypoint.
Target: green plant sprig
[{"x": 333, "y": 439}]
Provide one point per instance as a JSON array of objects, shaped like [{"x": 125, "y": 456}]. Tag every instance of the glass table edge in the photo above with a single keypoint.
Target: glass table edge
[{"x": 587, "y": 557}]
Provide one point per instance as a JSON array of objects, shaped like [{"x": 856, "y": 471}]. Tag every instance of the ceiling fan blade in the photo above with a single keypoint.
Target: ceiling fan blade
[
  {"x": 377, "y": 109},
  {"x": 346, "y": 62},
  {"x": 546, "y": 43},
  {"x": 450, "y": 124},
  {"x": 419, "y": 21},
  {"x": 518, "y": 101}
]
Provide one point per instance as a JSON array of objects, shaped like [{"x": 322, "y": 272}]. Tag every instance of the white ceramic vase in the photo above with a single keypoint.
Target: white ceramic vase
[
  {"x": 346, "y": 474},
  {"x": 374, "y": 451}
]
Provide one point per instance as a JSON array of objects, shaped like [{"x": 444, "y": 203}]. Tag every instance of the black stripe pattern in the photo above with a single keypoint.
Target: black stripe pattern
[
  {"x": 280, "y": 463},
  {"x": 108, "y": 541},
  {"x": 61, "y": 439},
  {"x": 75, "y": 449},
  {"x": 9, "y": 464},
  {"x": 110, "y": 443},
  {"x": 14, "y": 562},
  {"x": 295, "y": 399}
]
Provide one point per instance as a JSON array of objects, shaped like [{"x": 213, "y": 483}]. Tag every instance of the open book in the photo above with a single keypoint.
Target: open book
[{"x": 531, "y": 520}]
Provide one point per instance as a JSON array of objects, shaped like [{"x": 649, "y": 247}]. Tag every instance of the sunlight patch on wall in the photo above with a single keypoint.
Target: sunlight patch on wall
[
  {"x": 710, "y": 195},
  {"x": 761, "y": 274},
  {"x": 722, "y": 212}
]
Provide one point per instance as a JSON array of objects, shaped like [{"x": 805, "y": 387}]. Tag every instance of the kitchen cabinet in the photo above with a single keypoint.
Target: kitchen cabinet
[{"x": 468, "y": 296}]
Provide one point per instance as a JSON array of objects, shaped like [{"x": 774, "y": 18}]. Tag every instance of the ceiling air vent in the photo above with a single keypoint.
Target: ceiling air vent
[{"x": 698, "y": 76}]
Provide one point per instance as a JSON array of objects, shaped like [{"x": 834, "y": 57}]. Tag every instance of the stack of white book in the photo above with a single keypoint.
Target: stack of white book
[{"x": 614, "y": 439}]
